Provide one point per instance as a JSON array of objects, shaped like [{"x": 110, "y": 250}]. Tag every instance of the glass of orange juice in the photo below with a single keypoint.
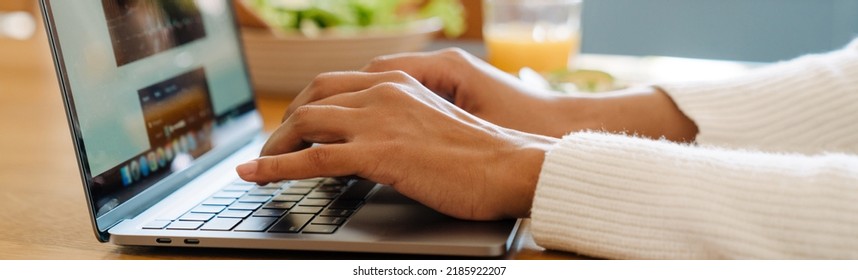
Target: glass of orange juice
[{"x": 543, "y": 35}]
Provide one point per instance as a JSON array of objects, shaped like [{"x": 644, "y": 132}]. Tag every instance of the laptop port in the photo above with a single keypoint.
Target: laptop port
[
  {"x": 192, "y": 241},
  {"x": 164, "y": 240}
]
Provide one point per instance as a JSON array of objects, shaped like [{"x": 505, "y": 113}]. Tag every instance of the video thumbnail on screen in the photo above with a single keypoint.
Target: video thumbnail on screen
[{"x": 141, "y": 28}]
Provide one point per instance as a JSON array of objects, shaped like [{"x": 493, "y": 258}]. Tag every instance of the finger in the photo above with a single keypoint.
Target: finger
[
  {"x": 335, "y": 83},
  {"x": 311, "y": 124},
  {"x": 440, "y": 71},
  {"x": 352, "y": 100},
  {"x": 318, "y": 161}
]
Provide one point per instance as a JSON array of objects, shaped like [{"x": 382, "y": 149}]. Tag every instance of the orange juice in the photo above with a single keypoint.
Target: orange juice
[{"x": 543, "y": 48}]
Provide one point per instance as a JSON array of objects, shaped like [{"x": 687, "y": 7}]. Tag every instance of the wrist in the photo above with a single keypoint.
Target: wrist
[
  {"x": 519, "y": 173},
  {"x": 574, "y": 113}
]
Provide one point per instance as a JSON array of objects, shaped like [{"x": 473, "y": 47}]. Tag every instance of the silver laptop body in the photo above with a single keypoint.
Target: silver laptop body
[{"x": 161, "y": 110}]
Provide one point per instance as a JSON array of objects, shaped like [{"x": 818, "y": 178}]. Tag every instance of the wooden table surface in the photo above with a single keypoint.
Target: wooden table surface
[{"x": 43, "y": 212}]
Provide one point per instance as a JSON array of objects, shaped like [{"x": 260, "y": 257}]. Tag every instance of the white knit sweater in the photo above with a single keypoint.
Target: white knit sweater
[{"x": 774, "y": 173}]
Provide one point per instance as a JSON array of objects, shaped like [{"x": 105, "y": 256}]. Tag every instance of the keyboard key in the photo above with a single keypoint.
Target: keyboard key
[
  {"x": 269, "y": 213},
  {"x": 291, "y": 223},
  {"x": 293, "y": 198},
  {"x": 214, "y": 209},
  {"x": 336, "y": 212},
  {"x": 333, "y": 189},
  {"x": 202, "y": 217},
  {"x": 222, "y": 224},
  {"x": 243, "y": 182},
  {"x": 254, "y": 199},
  {"x": 239, "y": 187},
  {"x": 279, "y": 205},
  {"x": 304, "y": 184},
  {"x": 276, "y": 185},
  {"x": 255, "y": 224},
  {"x": 244, "y": 206},
  {"x": 225, "y": 194},
  {"x": 157, "y": 224},
  {"x": 170, "y": 216},
  {"x": 185, "y": 225},
  {"x": 323, "y": 195},
  {"x": 328, "y": 221},
  {"x": 301, "y": 191},
  {"x": 345, "y": 204},
  {"x": 219, "y": 201},
  {"x": 314, "y": 202},
  {"x": 305, "y": 210},
  {"x": 358, "y": 190},
  {"x": 265, "y": 192},
  {"x": 333, "y": 182},
  {"x": 241, "y": 214},
  {"x": 321, "y": 229}
]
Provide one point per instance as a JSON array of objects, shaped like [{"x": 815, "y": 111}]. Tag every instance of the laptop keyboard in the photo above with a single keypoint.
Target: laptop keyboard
[{"x": 317, "y": 206}]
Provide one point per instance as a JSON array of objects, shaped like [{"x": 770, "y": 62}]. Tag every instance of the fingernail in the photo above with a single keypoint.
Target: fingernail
[{"x": 247, "y": 168}]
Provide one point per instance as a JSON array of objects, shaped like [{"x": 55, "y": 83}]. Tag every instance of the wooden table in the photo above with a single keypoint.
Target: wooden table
[{"x": 43, "y": 213}]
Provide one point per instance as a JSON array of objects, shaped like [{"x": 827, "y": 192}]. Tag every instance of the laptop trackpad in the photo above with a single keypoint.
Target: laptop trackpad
[{"x": 393, "y": 217}]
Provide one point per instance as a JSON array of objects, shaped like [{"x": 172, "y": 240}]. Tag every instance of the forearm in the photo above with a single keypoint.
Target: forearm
[
  {"x": 621, "y": 197},
  {"x": 644, "y": 111}
]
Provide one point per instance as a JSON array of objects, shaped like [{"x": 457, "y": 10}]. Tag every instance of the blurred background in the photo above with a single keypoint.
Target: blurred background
[
  {"x": 759, "y": 30},
  {"x": 756, "y": 30},
  {"x": 23, "y": 45},
  {"x": 735, "y": 30}
]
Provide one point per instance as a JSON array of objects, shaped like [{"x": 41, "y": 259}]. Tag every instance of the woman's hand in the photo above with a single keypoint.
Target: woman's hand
[
  {"x": 502, "y": 99},
  {"x": 389, "y": 128},
  {"x": 476, "y": 87}
]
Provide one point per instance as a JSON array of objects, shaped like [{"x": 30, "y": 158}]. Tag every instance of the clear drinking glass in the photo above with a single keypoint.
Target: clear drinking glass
[{"x": 544, "y": 35}]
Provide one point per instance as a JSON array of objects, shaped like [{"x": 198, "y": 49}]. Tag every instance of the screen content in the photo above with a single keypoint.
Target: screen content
[
  {"x": 150, "y": 81},
  {"x": 142, "y": 28}
]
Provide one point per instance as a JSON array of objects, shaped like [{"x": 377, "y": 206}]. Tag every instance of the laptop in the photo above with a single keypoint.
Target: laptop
[{"x": 161, "y": 110}]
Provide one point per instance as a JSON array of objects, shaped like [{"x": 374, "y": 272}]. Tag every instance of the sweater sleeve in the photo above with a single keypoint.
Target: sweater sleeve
[
  {"x": 740, "y": 194},
  {"x": 615, "y": 196},
  {"x": 806, "y": 105}
]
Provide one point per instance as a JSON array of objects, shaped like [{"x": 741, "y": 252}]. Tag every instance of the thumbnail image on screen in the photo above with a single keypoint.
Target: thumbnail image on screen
[
  {"x": 141, "y": 28},
  {"x": 179, "y": 119},
  {"x": 175, "y": 107}
]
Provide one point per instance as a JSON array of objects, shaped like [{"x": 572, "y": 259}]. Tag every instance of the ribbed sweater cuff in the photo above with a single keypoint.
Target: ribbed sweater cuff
[
  {"x": 615, "y": 196},
  {"x": 587, "y": 200}
]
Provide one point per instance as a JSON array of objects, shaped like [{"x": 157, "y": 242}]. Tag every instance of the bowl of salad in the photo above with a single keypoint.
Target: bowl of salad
[{"x": 289, "y": 42}]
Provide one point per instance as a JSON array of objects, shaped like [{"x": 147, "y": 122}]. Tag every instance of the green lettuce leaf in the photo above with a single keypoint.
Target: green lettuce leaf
[{"x": 290, "y": 15}]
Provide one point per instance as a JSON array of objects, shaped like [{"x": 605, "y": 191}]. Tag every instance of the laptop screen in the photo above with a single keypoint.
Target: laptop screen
[{"x": 148, "y": 82}]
